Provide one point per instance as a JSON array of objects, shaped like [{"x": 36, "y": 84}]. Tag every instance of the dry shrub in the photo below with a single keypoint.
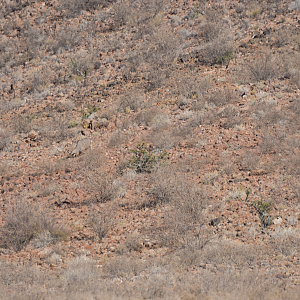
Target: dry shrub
[
  {"x": 22, "y": 124},
  {"x": 154, "y": 60},
  {"x": 125, "y": 13},
  {"x": 34, "y": 39},
  {"x": 56, "y": 129},
  {"x": 7, "y": 105},
  {"x": 52, "y": 167},
  {"x": 132, "y": 100},
  {"x": 26, "y": 222},
  {"x": 184, "y": 222},
  {"x": 282, "y": 37},
  {"x": 5, "y": 139},
  {"x": 209, "y": 30},
  {"x": 249, "y": 161},
  {"x": 132, "y": 243},
  {"x": 162, "y": 190},
  {"x": 159, "y": 61},
  {"x": 117, "y": 138},
  {"x": 146, "y": 116},
  {"x": 227, "y": 252},
  {"x": 263, "y": 68},
  {"x": 285, "y": 241},
  {"x": 292, "y": 68},
  {"x": 80, "y": 272},
  {"x": 102, "y": 220},
  {"x": 218, "y": 49},
  {"x": 103, "y": 187},
  {"x": 92, "y": 160},
  {"x": 221, "y": 97},
  {"x": 227, "y": 164},
  {"x": 66, "y": 39},
  {"x": 268, "y": 114},
  {"x": 230, "y": 116},
  {"x": 40, "y": 79},
  {"x": 198, "y": 118},
  {"x": 123, "y": 267},
  {"x": 162, "y": 138},
  {"x": 190, "y": 86},
  {"x": 74, "y": 7},
  {"x": 239, "y": 8},
  {"x": 269, "y": 143},
  {"x": 80, "y": 64},
  {"x": 4, "y": 58}
]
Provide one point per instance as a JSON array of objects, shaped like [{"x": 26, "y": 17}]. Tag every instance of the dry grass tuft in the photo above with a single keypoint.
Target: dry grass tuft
[{"x": 26, "y": 222}]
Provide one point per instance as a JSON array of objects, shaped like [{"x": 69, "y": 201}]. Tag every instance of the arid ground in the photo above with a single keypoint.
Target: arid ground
[{"x": 192, "y": 187}]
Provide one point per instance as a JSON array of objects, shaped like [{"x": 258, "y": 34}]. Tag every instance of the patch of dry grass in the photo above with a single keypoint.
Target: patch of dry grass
[{"x": 26, "y": 222}]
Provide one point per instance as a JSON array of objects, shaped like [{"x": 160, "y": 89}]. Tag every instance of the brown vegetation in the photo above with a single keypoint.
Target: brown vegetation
[{"x": 191, "y": 189}]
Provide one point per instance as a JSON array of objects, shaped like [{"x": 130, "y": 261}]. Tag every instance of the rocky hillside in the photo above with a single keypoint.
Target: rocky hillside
[{"x": 191, "y": 187}]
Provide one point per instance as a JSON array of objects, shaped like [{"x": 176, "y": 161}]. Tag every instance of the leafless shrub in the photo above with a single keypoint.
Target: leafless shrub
[
  {"x": 209, "y": 30},
  {"x": 162, "y": 138},
  {"x": 220, "y": 97},
  {"x": 249, "y": 161},
  {"x": 80, "y": 64},
  {"x": 239, "y": 8},
  {"x": 75, "y": 7},
  {"x": 123, "y": 267},
  {"x": 230, "y": 253},
  {"x": 231, "y": 115},
  {"x": 34, "y": 39},
  {"x": 132, "y": 243},
  {"x": 291, "y": 67},
  {"x": 24, "y": 222},
  {"x": 285, "y": 241},
  {"x": 39, "y": 80},
  {"x": 92, "y": 160},
  {"x": 269, "y": 143},
  {"x": 117, "y": 138},
  {"x": 4, "y": 138},
  {"x": 162, "y": 190},
  {"x": 22, "y": 124},
  {"x": 4, "y": 57},
  {"x": 291, "y": 165},
  {"x": 268, "y": 114},
  {"x": 218, "y": 51},
  {"x": 125, "y": 13},
  {"x": 103, "y": 188},
  {"x": 263, "y": 68},
  {"x": 198, "y": 118},
  {"x": 102, "y": 220},
  {"x": 56, "y": 129},
  {"x": 65, "y": 40},
  {"x": 65, "y": 106},
  {"x": 131, "y": 101},
  {"x": 51, "y": 167},
  {"x": 282, "y": 38},
  {"x": 80, "y": 271},
  {"x": 155, "y": 59},
  {"x": 7, "y": 105},
  {"x": 146, "y": 116},
  {"x": 227, "y": 165},
  {"x": 190, "y": 86},
  {"x": 184, "y": 222}
]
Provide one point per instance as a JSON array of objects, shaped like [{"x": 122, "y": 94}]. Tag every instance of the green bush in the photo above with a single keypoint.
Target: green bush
[
  {"x": 144, "y": 160},
  {"x": 263, "y": 208},
  {"x": 72, "y": 124}
]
